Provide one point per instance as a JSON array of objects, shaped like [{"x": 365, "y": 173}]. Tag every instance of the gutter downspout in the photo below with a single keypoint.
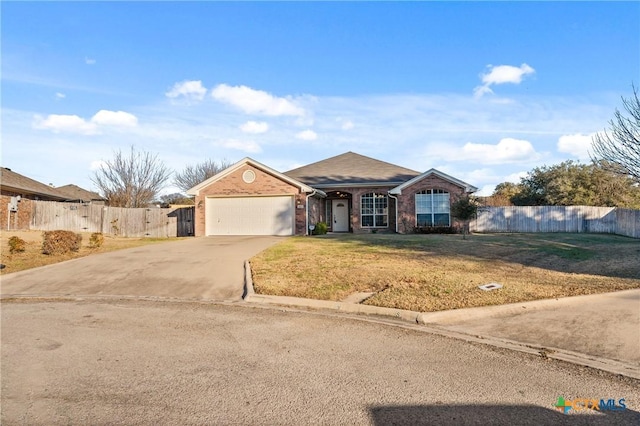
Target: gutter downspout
[
  {"x": 306, "y": 207},
  {"x": 396, "y": 203}
]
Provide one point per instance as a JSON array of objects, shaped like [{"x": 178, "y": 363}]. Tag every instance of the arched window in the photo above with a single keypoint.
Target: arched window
[
  {"x": 433, "y": 208},
  {"x": 374, "y": 210}
]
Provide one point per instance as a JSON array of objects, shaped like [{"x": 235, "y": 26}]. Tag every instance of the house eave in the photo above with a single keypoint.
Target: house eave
[
  {"x": 33, "y": 193},
  {"x": 356, "y": 185},
  {"x": 468, "y": 188}
]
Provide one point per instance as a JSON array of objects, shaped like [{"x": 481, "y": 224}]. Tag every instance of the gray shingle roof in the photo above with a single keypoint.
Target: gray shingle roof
[
  {"x": 351, "y": 168},
  {"x": 16, "y": 182},
  {"x": 75, "y": 193}
]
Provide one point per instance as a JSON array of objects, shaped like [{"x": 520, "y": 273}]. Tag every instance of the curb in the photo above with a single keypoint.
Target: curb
[
  {"x": 352, "y": 308},
  {"x": 435, "y": 322}
]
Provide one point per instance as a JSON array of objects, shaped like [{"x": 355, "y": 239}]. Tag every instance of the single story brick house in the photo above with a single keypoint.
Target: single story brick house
[{"x": 350, "y": 192}]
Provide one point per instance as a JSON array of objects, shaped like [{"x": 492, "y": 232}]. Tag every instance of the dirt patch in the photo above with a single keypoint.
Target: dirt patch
[
  {"x": 33, "y": 257},
  {"x": 439, "y": 272}
]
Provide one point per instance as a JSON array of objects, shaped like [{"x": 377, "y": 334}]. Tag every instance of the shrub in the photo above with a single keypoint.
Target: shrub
[
  {"x": 96, "y": 240},
  {"x": 436, "y": 230},
  {"x": 17, "y": 245},
  {"x": 320, "y": 229},
  {"x": 60, "y": 242}
]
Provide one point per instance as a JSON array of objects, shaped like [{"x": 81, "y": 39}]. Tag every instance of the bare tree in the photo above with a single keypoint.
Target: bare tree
[
  {"x": 131, "y": 180},
  {"x": 195, "y": 174},
  {"x": 620, "y": 146}
]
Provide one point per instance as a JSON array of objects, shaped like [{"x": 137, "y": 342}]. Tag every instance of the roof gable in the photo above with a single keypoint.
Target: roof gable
[
  {"x": 196, "y": 189},
  {"x": 468, "y": 188},
  {"x": 19, "y": 183},
  {"x": 353, "y": 169}
]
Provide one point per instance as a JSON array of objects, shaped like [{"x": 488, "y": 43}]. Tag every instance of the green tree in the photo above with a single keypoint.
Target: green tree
[
  {"x": 465, "y": 209},
  {"x": 192, "y": 175},
  {"x": 571, "y": 183},
  {"x": 619, "y": 147},
  {"x": 132, "y": 180},
  {"x": 502, "y": 194}
]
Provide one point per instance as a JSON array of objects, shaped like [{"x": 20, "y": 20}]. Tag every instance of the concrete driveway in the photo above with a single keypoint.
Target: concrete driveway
[{"x": 209, "y": 268}]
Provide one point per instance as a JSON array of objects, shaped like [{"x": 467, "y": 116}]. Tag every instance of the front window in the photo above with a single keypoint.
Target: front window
[
  {"x": 432, "y": 208},
  {"x": 374, "y": 210}
]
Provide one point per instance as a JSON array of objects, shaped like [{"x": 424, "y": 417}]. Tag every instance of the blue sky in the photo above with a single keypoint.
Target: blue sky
[{"x": 483, "y": 91}]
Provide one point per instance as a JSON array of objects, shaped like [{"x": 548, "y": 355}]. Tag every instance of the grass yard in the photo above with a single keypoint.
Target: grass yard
[
  {"x": 32, "y": 257},
  {"x": 438, "y": 272}
]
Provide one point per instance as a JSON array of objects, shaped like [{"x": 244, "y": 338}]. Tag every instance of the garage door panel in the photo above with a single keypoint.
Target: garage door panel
[{"x": 250, "y": 216}]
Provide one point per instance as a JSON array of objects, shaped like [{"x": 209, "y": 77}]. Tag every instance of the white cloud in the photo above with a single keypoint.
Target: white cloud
[
  {"x": 89, "y": 61},
  {"x": 60, "y": 95},
  {"x": 577, "y": 145},
  {"x": 114, "y": 118},
  {"x": 508, "y": 150},
  {"x": 253, "y": 101},
  {"x": 515, "y": 177},
  {"x": 479, "y": 176},
  {"x": 485, "y": 190},
  {"x": 501, "y": 74},
  {"x": 59, "y": 123},
  {"x": 482, "y": 90},
  {"x": 307, "y": 135},
  {"x": 506, "y": 74},
  {"x": 246, "y": 146},
  {"x": 190, "y": 89},
  {"x": 255, "y": 127}
]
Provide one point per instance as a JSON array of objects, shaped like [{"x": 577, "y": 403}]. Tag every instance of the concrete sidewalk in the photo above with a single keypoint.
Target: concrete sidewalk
[
  {"x": 209, "y": 268},
  {"x": 601, "y": 325}
]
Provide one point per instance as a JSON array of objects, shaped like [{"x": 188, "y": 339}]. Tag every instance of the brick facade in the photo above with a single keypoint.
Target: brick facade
[
  {"x": 407, "y": 212},
  {"x": 233, "y": 185},
  {"x": 19, "y": 220},
  {"x": 354, "y": 210}
]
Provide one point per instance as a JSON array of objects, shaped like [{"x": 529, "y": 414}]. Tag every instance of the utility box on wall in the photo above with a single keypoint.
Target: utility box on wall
[
  {"x": 13, "y": 204},
  {"x": 16, "y": 212}
]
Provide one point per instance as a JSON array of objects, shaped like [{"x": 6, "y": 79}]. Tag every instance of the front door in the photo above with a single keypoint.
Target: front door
[{"x": 340, "y": 215}]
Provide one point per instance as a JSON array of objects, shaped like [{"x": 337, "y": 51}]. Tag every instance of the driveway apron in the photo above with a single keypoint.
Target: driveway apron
[{"x": 208, "y": 268}]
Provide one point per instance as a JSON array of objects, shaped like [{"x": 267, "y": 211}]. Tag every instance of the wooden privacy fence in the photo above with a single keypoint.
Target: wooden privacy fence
[
  {"x": 124, "y": 222},
  {"x": 609, "y": 220}
]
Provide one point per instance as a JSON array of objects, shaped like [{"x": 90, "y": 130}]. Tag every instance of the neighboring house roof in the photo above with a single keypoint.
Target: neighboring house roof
[
  {"x": 351, "y": 169},
  {"x": 444, "y": 176},
  {"x": 304, "y": 188},
  {"x": 75, "y": 193},
  {"x": 15, "y": 182}
]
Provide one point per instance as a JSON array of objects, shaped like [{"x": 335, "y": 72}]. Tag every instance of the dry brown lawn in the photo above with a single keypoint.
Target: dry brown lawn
[
  {"x": 32, "y": 257},
  {"x": 439, "y": 272}
]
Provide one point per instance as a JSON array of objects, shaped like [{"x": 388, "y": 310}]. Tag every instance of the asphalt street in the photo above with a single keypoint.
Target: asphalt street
[{"x": 99, "y": 361}]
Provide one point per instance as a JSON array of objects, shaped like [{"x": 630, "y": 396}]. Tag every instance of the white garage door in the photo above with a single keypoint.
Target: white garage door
[{"x": 250, "y": 216}]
